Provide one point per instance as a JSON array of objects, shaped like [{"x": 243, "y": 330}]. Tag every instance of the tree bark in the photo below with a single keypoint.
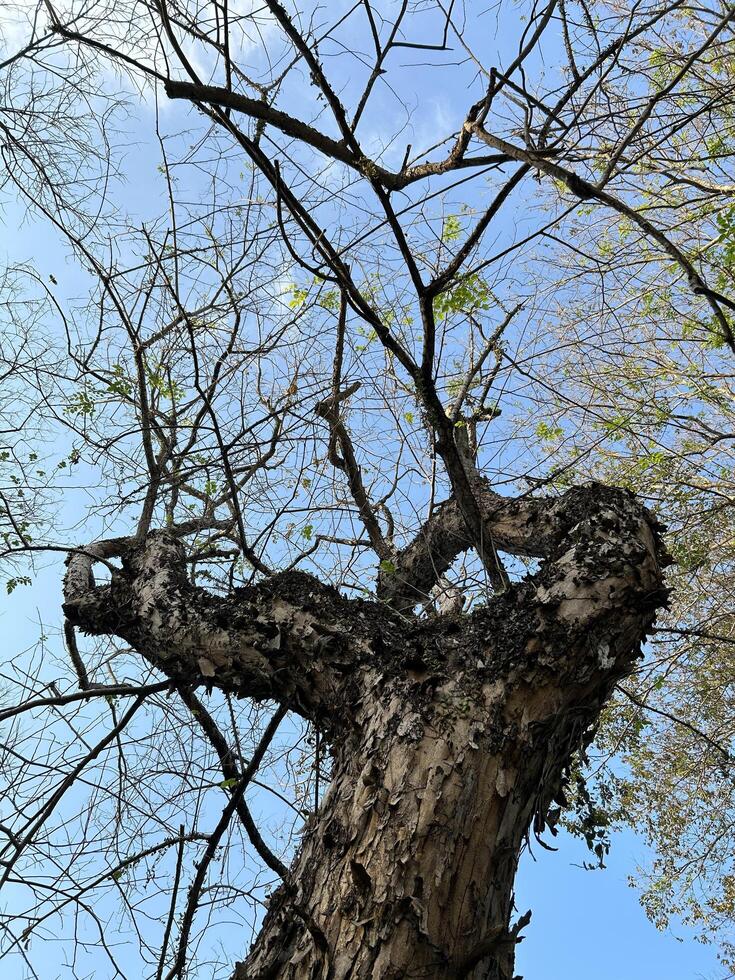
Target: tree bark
[{"x": 450, "y": 737}]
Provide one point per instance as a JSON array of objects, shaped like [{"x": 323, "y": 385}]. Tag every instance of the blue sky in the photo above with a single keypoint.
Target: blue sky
[
  {"x": 589, "y": 924},
  {"x": 586, "y": 925}
]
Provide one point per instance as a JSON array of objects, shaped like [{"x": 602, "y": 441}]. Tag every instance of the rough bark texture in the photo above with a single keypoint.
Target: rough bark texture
[{"x": 450, "y": 737}]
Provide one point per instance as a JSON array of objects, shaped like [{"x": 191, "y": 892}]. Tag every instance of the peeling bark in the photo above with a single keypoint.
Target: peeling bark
[
  {"x": 290, "y": 639},
  {"x": 450, "y": 737}
]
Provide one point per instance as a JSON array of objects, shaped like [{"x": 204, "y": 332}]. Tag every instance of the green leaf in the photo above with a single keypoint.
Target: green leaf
[
  {"x": 451, "y": 229},
  {"x": 12, "y": 584},
  {"x": 80, "y": 404},
  {"x": 548, "y": 431},
  {"x": 468, "y": 295}
]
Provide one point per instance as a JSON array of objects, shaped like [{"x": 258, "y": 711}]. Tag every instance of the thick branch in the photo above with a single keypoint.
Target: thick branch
[
  {"x": 336, "y": 149},
  {"x": 289, "y": 639},
  {"x": 299, "y": 642},
  {"x": 527, "y": 526}
]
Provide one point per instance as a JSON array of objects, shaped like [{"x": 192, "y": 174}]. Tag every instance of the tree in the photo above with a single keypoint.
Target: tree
[{"x": 319, "y": 357}]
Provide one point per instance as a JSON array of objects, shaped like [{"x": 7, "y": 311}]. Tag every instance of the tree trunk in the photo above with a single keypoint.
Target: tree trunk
[
  {"x": 410, "y": 862},
  {"x": 450, "y": 737}
]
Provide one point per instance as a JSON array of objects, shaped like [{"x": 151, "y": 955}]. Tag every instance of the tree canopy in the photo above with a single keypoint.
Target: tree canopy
[{"x": 345, "y": 289}]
